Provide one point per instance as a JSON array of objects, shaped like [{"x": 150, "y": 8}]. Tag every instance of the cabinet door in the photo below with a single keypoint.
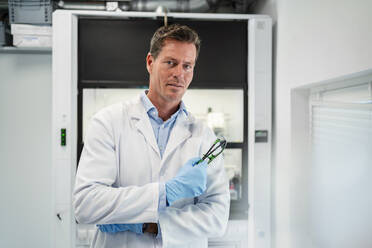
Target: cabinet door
[{"x": 220, "y": 109}]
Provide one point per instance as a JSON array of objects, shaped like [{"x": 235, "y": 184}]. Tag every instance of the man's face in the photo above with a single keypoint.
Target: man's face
[{"x": 172, "y": 71}]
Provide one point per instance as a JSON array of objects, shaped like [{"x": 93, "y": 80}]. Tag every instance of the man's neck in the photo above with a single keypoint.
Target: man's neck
[{"x": 165, "y": 108}]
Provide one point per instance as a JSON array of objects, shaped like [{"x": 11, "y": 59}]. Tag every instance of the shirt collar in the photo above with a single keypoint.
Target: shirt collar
[{"x": 149, "y": 106}]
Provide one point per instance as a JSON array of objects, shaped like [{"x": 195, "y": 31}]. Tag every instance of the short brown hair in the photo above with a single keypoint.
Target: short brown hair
[{"x": 176, "y": 32}]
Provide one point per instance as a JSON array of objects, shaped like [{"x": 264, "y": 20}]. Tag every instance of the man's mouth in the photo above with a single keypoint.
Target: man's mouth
[{"x": 175, "y": 85}]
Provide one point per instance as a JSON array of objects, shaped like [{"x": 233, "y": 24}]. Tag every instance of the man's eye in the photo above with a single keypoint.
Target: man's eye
[
  {"x": 188, "y": 67},
  {"x": 170, "y": 63}
]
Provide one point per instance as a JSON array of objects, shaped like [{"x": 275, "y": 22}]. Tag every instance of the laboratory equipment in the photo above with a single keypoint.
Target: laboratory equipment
[
  {"x": 217, "y": 122},
  {"x": 35, "y": 12},
  {"x": 91, "y": 73}
]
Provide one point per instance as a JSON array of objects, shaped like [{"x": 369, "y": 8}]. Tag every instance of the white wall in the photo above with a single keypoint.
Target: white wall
[
  {"x": 25, "y": 150},
  {"x": 314, "y": 41}
]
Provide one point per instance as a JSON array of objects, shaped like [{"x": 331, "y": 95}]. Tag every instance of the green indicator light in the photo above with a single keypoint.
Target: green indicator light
[{"x": 63, "y": 136}]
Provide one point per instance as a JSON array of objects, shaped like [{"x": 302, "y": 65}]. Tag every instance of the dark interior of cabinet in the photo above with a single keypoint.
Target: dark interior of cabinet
[{"x": 112, "y": 52}]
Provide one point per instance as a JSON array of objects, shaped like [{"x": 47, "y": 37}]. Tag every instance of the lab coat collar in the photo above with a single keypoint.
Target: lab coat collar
[
  {"x": 140, "y": 119},
  {"x": 181, "y": 129},
  {"x": 149, "y": 105}
]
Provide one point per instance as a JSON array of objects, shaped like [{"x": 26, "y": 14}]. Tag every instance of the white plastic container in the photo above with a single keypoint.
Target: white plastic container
[{"x": 31, "y": 35}]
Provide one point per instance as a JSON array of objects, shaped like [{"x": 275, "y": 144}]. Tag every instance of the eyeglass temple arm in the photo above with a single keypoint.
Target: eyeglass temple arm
[{"x": 210, "y": 154}]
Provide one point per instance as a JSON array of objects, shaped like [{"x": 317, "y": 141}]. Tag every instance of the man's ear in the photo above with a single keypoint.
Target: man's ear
[{"x": 149, "y": 62}]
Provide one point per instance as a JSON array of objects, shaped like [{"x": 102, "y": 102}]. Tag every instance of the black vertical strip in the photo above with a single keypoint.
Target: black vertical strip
[
  {"x": 79, "y": 100},
  {"x": 80, "y": 123},
  {"x": 246, "y": 128},
  {"x": 245, "y": 152}
]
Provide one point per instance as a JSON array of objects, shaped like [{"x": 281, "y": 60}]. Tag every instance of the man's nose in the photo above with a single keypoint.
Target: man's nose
[{"x": 178, "y": 71}]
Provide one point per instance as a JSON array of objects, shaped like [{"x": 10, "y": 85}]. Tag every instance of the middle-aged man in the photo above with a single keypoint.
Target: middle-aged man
[{"x": 138, "y": 177}]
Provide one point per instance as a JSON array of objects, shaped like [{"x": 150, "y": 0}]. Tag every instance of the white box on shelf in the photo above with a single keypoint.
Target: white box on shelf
[
  {"x": 32, "y": 41},
  {"x": 31, "y": 29},
  {"x": 25, "y": 35}
]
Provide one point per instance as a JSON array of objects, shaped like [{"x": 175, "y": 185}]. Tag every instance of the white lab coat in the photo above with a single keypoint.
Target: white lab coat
[{"x": 119, "y": 173}]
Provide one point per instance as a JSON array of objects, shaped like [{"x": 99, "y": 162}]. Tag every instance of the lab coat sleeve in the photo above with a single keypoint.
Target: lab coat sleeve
[
  {"x": 95, "y": 200},
  {"x": 208, "y": 217}
]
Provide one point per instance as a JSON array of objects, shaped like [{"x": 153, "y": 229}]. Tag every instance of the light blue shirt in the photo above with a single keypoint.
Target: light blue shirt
[{"x": 162, "y": 130}]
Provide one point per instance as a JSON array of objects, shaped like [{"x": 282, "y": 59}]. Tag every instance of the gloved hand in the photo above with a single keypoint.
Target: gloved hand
[
  {"x": 190, "y": 181},
  {"x": 114, "y": 228}
]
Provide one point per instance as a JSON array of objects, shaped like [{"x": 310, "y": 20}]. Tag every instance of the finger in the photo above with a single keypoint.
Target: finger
[
  {"x": 194, "y": 161},
  {"x": 203, "y": 163}
]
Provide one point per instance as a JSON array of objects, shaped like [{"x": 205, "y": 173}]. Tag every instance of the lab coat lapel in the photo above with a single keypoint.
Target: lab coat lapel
[
  {"x": 141, "y": 121},
  {"x": 180, "y": 132}
]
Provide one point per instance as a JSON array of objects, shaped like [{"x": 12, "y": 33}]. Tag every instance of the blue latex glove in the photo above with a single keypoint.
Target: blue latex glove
[
  {"x": 190, "y": 181},
  {"x": 114, "y": 228}
]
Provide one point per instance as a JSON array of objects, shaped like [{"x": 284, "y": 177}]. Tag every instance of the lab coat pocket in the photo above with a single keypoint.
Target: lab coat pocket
[{"x": 136, "y": 159}]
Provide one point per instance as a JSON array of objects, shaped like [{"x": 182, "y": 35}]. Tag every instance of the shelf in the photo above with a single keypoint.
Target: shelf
[{"x": 25, "y": 50}]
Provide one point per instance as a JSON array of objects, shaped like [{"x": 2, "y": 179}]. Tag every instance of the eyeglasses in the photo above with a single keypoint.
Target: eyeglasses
[{"x": 216, "y": 149}]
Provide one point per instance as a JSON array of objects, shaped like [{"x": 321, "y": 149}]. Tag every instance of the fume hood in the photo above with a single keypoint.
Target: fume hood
[{"x": 99, "y": 59}]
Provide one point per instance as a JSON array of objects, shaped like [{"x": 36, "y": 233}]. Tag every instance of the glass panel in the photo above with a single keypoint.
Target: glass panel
[
  {"x": 233, "y": 167},
  {"x": 225, "y": 118},
  {"x": 96, "y": 99},
  {"x": 221, "y": 109}
]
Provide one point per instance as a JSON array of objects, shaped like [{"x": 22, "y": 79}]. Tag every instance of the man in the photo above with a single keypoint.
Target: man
[{"x": 135, "y": 177}]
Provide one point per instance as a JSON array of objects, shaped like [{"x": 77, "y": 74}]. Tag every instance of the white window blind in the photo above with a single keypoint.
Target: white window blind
[
  {"x": 341, "y": 142},
  {"x": 341, "y": 125},
  {"x": 341, "y": 117}
]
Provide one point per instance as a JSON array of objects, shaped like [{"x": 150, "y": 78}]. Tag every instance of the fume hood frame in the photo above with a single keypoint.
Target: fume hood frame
[{"x": 66, "y": 113}]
